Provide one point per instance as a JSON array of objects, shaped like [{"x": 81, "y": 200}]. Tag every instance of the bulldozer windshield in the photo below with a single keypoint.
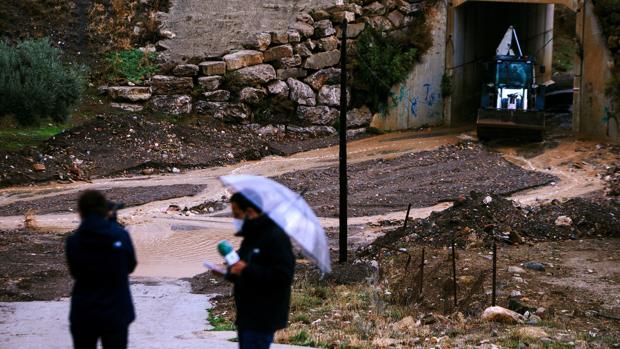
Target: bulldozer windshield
[{"x": 514, "y": 74}]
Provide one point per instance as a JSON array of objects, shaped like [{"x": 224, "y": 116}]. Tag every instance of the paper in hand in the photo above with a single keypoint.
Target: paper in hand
[{"x": 215, "y": 267}]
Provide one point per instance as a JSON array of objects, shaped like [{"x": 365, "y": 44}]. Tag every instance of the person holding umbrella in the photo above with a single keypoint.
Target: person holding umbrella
[
  {"x": 263, "y": 277},
  {"x": 267, "y": 214}
]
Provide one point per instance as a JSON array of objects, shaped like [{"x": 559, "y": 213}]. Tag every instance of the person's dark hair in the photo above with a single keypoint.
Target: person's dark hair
[
  {"x": 92, "y": 202},
  {"x": 244, "y": 203}
]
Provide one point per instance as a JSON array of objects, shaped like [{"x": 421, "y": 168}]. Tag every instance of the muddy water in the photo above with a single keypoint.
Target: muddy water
[{"x": 175, "y": 246}]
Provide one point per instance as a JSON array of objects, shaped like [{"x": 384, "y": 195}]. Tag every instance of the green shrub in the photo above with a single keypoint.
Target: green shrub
[
  {"x": 383, "y": 61},
  {"x": 130, "y": 65},
  {"x": 35, "y": 83}
]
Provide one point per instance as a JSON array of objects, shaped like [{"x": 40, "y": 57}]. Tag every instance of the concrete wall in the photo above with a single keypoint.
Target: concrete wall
[
  {"x": 418, "y": 100},
  {"x": 210, "y": 27},
  {"x": 592, "y": 114}
]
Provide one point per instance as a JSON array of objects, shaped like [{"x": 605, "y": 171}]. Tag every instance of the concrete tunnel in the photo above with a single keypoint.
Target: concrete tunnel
[{"x": 474, "y": 30}]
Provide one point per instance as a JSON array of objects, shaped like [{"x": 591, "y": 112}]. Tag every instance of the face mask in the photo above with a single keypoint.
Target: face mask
[{"x": 238, "y": 223}]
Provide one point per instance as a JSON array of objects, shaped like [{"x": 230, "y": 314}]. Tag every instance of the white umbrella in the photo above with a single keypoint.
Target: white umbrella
[{"x": 287, "y": 209}]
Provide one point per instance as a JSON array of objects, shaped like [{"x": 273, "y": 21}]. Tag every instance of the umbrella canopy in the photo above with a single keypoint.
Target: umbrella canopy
[{"x": 287, "y": 209}]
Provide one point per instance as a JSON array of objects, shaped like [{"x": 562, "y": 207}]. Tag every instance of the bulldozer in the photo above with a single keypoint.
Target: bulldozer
[{"x": 512, "y": 103}]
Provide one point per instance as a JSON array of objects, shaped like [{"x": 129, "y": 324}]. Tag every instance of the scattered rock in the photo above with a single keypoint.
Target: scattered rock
[
  {"x": 313, "y": 131},
  {"x": 397, "y": 18},
  {"x": 341, "y": 16},
  {"x": 374, "y": 9},
  {"x": 516, "y": 270},
  {"x": 171, "y": 85},
  {"x": 128, "y": 93},
  {"x": 487, "y": 200},
  {"x": 243, "y": 58},
  {"x": 185, "y": 70},
  {"x": 534, "y": 266},
  {"x": 130, "y": 107},
  {"x": 379, "y": 23},
  {"x": 173, "y": 104},
  {"x": 39, "y": 167},
  {"x": 321, "y": 115},
  {"x": 353, "y": 30},
  {"x": 305, "y": 18},
  {"x": 288, "y": 62},
  {"x": 293, "y": 36},
  {"x": 217, "y": 96},
  {"x": 210, "y": 83},
  {"x": 213, "y": 68},
  {"x": 531, "y": 332},
  {"x": 563, "y": 221},
  {"x": 255, "y": 75},
  {"x": 407, "y": 324},
  {"x": 302, "y": 50},
  {"x": 503, "y": 315},
  {"x": 301, "y": 93},
  {"x": 148, "y": 171}
]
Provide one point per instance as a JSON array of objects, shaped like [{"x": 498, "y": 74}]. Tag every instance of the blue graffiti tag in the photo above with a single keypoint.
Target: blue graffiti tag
[{"x": 414, "y": 106}]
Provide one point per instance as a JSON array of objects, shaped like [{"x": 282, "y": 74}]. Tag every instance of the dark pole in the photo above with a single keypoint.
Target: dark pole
[
  {"x": 493, "y": 297},
  {"x": 421, "y": 275},
  {"x": 407, "y": 216},
  {"x": 343, "y": 145},
  {"x": 454, "y": 273}
]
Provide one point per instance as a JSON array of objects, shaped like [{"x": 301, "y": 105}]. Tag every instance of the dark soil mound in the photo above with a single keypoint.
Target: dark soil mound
[{"x": 472, "y": 222}]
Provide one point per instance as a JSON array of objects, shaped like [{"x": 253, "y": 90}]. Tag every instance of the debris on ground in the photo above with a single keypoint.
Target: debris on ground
[{"x": 422, "y": 179}]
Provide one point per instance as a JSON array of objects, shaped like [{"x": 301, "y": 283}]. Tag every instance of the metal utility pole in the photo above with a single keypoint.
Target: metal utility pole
[{"x": 343, "y": 236}]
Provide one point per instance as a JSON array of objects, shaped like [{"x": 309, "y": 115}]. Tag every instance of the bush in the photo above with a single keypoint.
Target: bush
[
  {"x": 130, "y": 65},
  {"x": 35, "y": 83}
]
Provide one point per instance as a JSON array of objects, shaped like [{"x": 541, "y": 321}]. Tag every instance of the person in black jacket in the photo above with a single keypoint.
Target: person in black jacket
[
  {"x": 100, "y": 256},
  {"x": 262, "y": 278}
]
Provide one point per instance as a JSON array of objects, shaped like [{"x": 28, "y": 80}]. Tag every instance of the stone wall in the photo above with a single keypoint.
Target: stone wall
[{"x": 298, "y": 66}]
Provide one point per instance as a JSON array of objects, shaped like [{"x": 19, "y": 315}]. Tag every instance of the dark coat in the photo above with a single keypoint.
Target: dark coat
[
  {"x": 101, "y": 256},
  {"x": 263, "y": 290}
]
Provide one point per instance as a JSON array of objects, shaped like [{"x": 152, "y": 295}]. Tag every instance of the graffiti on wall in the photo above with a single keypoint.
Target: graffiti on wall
[{"x": 415, "y": 105}]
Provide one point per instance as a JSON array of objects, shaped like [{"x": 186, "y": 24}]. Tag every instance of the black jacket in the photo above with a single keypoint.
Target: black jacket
[
  {"x": 263, "y": 290},
  {"x": 101, "y": 256}
]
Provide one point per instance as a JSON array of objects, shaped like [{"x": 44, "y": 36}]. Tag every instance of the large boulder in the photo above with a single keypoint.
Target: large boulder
[
  {"x": 185, "y": 70},
  {"x": 210, "y": 83},
  {"x": 257, "y": 41},
  {"x": 252, "y": 96},
  {"x": 243, "y": 58},
  {"x": 213, "y": 68},
  {"x": 171, "y": 85},
  {"x": 322, "y": 115},
  {"x": 397, "y": 18},
  {"x": 301, "y": 93},
  {"x": 255, "y": 75},
  {"x": 278, "y": 88},
  {"x": 503, "y": 315},
  {"x": 279, "y": 38},
  {"x": 330, "y": 95},
  {"x": 359, "y": 117},
  {"x": 174, "y": 104},
  {"x": 278, "y": 52},
  {"x": 322, "y": 60},
  {"x": 284, "y": 74},
  {"x": 353, "y": 30},
  {"x": 322, "y": 77},
  {"x": 217, "y": 96},
  {"x": 376, "y": 8},
  {"x": 288, "y": 62},
  {"x": 305, "y": 29},
  {"x": 328, "y": 43},
  {"x": 129, "y": 93},
  {"x": 302, "y": 50},
  {"x": 227, "y": 112},
  {"x": 324, "y": 28}
]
